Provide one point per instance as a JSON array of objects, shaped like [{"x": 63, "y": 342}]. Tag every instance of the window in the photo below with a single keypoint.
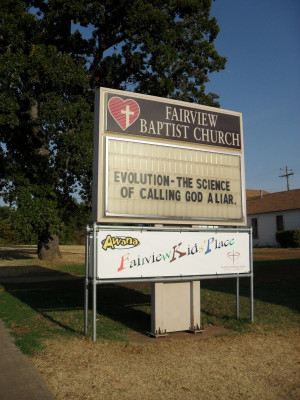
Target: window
[
  {"x": 254, "y": 228},
  {"x": 279, "y": 223}
]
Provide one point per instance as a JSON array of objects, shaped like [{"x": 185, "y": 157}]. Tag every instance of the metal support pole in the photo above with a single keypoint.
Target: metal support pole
[
  {"x": 200, "y": 322},
  {"x": 94, "y": 311},
  {"x": 237, "y": 303},
  {"x": 251, "y": 278},
  {"x": 86, "y": 282},
  {"x": 251, "y": 299},
  {"x": 94, "y": 281},
  {"x": 192, "y": 316}
]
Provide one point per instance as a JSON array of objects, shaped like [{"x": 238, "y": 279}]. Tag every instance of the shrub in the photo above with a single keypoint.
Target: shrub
[{"x": 290, "y": 238}]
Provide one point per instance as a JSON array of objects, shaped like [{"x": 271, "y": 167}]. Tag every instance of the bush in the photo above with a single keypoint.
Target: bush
[
  {"x": 8, "y": 235},
  {"x": 290, "y": 238},
  {"x": 71, "y": 232}
]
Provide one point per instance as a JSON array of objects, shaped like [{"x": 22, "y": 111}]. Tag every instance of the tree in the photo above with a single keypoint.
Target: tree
[{"x": 53, "y": 53}]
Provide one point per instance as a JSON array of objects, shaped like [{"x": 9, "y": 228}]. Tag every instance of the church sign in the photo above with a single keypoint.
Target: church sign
[{"x": 164, "y": 161}]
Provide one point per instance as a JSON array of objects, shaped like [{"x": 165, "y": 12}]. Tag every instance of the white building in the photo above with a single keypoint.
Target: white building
[{"x": 268, "y": 213}]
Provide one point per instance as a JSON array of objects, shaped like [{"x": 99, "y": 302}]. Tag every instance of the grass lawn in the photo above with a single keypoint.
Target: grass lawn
[{"x": 53, "y": 309}]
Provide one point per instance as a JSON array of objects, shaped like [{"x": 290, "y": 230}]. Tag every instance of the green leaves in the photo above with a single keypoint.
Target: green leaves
[{"x": 52, "y": 55}]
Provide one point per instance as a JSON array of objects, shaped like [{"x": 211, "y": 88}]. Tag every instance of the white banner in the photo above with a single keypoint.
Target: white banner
[{"x": 156, "y": 254}]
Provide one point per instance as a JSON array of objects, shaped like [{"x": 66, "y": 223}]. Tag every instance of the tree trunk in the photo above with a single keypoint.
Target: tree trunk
[{"x": 48, "y": 248}]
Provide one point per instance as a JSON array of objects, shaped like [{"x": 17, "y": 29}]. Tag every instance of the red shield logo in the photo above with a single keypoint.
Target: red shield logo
[{"x": 124, "y": 112}]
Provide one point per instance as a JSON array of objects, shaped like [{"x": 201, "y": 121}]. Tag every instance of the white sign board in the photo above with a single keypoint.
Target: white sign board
[
  {"x": 185, "y": 183},
  {"x": 154, "y": 254}
]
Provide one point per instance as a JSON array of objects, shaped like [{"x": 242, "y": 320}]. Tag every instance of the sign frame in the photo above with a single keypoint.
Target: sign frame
[
  {"x": 200, "y": 219},
  {"x": 101, "y": 213},
  {"x": 210, "y": 257}
]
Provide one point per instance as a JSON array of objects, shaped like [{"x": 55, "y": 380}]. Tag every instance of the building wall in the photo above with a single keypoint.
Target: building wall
[{"x": 266, "y": 225}]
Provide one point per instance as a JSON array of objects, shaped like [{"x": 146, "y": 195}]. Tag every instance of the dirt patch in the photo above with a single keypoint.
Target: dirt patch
[
  {"x": 28, "y": 254},
  {"x": 254, "y": 366},
  {"x": 209, "y": 331},
  {"x": 275, "y": 254},
  {"x": 24, "y": 261}
]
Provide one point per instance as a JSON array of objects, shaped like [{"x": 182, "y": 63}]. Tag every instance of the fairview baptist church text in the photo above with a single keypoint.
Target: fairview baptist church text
[
  {"x": 163, "y": 161},
  {"x": 172, "y": 122}
]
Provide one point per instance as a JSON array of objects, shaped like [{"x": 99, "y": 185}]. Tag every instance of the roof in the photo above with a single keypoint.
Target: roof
[
  {"x": 270, "y": 202},
  {"x": 255, "y": 193}
]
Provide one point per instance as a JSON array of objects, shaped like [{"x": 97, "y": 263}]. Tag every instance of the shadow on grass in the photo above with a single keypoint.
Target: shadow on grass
[
  {"x": 13, "y": 272},
  {"x": 61, "y": 302},
  {"x": 57, "y": 301},
  {"x": 18, "y": 252},
  {"x": 275, "y": 282},
  {"x": 125, "y": 304}
]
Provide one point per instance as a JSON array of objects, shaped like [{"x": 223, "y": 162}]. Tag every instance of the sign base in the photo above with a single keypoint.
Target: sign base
[{"x": 175, "y": 307}]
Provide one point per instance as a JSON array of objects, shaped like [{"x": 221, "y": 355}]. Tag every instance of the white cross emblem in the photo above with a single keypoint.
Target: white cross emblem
[{"x": 127, "y": 112}]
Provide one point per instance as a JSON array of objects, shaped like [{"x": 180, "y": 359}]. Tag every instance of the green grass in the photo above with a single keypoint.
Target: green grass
[
  {"x": 76, "y": 269},
  {"x": 35, "y": 311},
  {"x": 276, "y": 295}
]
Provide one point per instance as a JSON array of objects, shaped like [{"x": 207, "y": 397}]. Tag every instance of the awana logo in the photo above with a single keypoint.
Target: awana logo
[{"x": 113, "y": 242}]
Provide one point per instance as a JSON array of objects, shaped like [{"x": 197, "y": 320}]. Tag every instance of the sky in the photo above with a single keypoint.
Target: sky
[{"x": 261, "y": 39}]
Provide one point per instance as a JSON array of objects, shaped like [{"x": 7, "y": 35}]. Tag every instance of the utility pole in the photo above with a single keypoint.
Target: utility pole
[{"x": 288, "y": 172}]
